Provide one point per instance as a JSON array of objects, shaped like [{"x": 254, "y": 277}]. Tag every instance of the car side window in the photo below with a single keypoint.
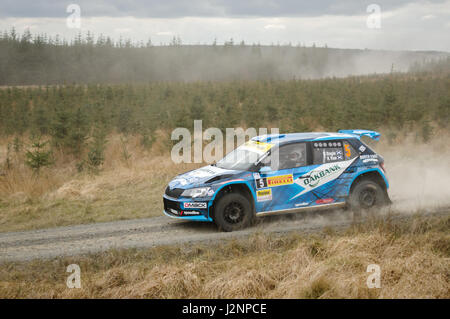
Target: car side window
[
  {"x": 327, "y": 152},
  {"x": 287, "y": 156}
]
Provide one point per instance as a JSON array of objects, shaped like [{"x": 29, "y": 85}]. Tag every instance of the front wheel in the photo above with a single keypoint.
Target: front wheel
[
  {"x": 232, "y": 212},
  {"x": 365, "y": 195}
]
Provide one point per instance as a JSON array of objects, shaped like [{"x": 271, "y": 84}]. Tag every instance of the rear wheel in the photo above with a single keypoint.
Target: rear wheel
[
  {"x": 232, "y": 212},
  {"x": 366, "y": 194}
]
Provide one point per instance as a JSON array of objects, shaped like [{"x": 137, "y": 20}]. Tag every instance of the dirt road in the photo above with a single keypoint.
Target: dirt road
[{"x": 82, "y": 239}]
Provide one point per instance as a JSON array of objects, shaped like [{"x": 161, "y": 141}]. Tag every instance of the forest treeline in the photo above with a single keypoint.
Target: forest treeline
[
  {"x": 72, "y": 112},
  {"x": 27, "y": 59}
]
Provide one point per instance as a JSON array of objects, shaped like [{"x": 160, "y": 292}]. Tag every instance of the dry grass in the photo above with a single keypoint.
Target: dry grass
[
  {"x": 124, "y": 189},
  {"x": 413, "y": 256}
]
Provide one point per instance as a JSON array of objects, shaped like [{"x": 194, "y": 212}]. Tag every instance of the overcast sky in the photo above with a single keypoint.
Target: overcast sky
[{"x": 402, "y": 24}]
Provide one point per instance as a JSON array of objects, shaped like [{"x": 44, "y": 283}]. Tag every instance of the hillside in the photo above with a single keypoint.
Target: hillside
[{"x": 39, "y": 59}]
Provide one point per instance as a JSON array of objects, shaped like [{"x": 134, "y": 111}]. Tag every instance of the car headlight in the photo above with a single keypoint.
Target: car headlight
[{"x": 198, "y": 192}]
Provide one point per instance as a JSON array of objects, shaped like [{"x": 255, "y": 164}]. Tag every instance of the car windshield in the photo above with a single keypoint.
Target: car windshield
[{"x": 245, "y": 156}]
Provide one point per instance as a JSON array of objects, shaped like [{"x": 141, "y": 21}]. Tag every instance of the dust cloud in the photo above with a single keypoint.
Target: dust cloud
[{"x": 419, "y": 173}]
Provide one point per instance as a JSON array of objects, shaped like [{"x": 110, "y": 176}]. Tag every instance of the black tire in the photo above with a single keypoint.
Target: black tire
[
  {"x": 366, "y": 194},
  {"x": 232, "y": 212}
]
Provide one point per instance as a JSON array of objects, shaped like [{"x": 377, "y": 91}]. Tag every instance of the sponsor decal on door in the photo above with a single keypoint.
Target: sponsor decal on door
[
  {"x": 274, "y": 181},
  {"x": 264, "y": 195},
  {"x": 321, "y": 175}
]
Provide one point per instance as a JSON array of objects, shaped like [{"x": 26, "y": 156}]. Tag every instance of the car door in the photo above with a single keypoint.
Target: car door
[
  {"x": 325, "y": 181},
  {"x": 276, "y": 190}
]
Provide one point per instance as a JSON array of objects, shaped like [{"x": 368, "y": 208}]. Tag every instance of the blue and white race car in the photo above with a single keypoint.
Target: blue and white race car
[{"x": 282, "y": 173}]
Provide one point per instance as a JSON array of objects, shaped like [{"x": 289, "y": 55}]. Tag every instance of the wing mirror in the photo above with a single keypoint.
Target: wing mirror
[{"x": 265, "y": 170}]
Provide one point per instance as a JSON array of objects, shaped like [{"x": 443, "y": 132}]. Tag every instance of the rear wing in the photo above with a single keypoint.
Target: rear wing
[{"x": 358, "y": 133}]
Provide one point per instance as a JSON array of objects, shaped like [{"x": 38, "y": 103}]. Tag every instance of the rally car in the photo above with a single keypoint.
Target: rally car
[{"x": 281, "y": 173}]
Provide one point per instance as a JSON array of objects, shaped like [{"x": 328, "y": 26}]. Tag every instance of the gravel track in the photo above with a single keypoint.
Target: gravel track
[{"x": 158, "y": 231}]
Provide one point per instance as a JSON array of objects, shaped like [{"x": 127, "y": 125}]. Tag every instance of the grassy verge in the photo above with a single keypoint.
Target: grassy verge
[
  {"x": 413, "y": 256},
  {"x": 88, "y": 201},
  {"x": 60, "y": 196}
]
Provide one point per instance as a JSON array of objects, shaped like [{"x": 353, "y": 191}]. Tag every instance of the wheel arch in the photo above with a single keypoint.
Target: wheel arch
[
  {"x": 371, "y": 174},
  {"x": 240, "y": 188}
]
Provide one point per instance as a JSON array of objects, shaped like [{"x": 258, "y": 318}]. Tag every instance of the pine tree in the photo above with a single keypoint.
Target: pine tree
[
  {"x": 96, "y": 154},
  {"x": 38, "y": 157}
]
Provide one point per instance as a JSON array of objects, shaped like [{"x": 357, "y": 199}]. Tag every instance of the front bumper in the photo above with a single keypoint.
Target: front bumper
[{"x": 186, "y": 208}]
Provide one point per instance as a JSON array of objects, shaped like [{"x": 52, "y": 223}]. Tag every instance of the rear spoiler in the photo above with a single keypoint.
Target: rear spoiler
[{"x": 358, "y": 133}]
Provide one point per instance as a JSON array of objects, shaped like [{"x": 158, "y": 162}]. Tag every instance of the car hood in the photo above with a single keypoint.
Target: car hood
[{"x": 203, "y": 175}]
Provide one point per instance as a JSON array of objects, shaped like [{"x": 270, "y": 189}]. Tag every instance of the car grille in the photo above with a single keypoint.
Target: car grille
[
  {"x": 171, "y": 204},
  {"x": 168, "y": 205},
  {"x": 174, "y": 193}
]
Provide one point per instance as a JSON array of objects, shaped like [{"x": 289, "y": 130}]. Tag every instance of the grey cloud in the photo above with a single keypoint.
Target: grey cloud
[{"x": 199, "y": 8}]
